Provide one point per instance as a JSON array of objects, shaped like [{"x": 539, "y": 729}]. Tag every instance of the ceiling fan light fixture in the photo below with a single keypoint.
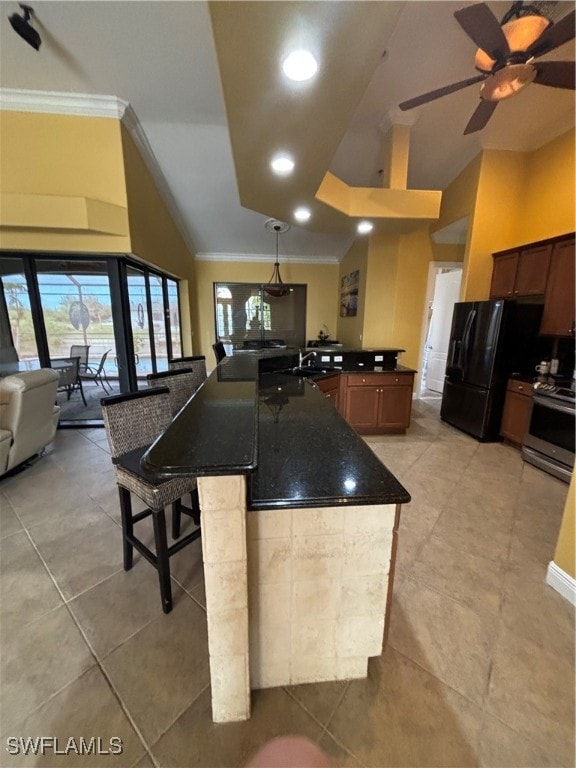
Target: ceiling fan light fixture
[
  {"x": 520, "y": 34},
  {"x": 507, "y": 82}
]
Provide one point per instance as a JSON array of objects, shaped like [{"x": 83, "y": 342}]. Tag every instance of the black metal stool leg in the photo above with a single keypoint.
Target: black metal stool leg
[
  {"x": 176, "y": 518},
  {"x": 127, "y": 526},
  {"x": 162, "y": 560}
]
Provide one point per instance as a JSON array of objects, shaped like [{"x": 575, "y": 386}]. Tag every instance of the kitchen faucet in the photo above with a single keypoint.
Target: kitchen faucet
[{"x": 302, "y": 357}]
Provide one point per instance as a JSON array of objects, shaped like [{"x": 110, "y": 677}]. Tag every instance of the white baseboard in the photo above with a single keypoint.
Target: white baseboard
[{"x": 561, "y": 582}]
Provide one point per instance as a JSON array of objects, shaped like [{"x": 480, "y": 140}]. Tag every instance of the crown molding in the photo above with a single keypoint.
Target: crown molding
[
  {"x": 59, "y": 103},
  {"x": 94, "y": 105},
  {"x": 265, "y": 258}
]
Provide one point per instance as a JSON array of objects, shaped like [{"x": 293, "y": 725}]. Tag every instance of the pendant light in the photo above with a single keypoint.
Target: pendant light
[{"x": 275, "y": 287}]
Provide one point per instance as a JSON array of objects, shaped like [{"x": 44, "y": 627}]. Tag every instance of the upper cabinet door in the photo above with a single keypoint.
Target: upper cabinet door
[
  {"x": 504, "y": 275},
  {"x": 532, "y": 270},
  {"x": 558, "y": 317}
]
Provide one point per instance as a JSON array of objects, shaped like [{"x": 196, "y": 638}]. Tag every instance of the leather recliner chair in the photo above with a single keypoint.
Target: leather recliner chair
[{"x": 28, "y": 415}]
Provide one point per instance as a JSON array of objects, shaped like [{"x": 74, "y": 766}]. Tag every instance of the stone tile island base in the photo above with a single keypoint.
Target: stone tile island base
[{"x": 292, "y": 595}]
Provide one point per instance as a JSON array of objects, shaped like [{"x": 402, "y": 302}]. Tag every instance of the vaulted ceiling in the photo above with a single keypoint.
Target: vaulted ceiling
[{"x": 205, "y": 83}]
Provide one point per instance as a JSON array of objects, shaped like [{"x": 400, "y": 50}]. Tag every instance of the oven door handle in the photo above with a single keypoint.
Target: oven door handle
[{"x": 554, "y": 405}]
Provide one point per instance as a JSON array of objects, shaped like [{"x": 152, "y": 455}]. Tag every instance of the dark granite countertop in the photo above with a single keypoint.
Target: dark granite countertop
[
  {"x": 309, "y": 456},
  {"x": 279, "y": 429}
]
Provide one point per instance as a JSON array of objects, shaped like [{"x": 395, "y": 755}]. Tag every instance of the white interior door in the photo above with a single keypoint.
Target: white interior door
[{"x": 446, "y": 294}]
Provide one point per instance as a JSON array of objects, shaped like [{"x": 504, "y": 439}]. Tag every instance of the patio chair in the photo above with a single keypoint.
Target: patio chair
[
  {"x": 69, "y": 379},
  {"x": 81, "y": 351},
  {"x": 133, "y": 421},
  {"x": 98, "y": 375}
]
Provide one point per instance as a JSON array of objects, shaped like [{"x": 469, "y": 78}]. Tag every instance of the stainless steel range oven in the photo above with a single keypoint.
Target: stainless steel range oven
[{"x": 549, "y": 443}]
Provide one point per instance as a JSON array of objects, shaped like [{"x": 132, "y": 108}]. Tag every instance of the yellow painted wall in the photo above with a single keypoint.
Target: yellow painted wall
[
  {"x": 414, "y": 255},
  {"x": 459, "y": 197},
  {"x": 494, "y": 223},
  {"x": 322, "y": 294},
  {"x": 380, "y": 291},
  {"x": 548, "y": 199},
  {"x": 67, "y": 156},
  {"x": 155, "y": 238},
  {"x": 565, "y": 556},
  {"x": 447, "y": 251},
  {"x": 349, "y": 330}
]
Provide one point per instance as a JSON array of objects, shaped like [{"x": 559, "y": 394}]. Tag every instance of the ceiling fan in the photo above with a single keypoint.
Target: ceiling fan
[{"x": 505, "y": 56}]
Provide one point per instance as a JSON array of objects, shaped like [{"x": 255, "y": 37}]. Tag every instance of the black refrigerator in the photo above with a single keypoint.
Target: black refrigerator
[{"x": 489, "y": 341}]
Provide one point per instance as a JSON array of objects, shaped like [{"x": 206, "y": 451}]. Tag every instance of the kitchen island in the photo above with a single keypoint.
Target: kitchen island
[{"x": 299, "y": 527}]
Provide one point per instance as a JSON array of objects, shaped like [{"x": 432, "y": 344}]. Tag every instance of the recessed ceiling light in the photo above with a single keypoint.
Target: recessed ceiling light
[
  {"x": 364, "y": 227},
  {"x": 282, "y": 165},
  {"x": 302, "y": 214},
  {"x": 300, "y": 65}
]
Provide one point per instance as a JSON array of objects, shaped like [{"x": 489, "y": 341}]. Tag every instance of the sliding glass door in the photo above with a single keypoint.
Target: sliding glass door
[{"x": 120, "y": 319}]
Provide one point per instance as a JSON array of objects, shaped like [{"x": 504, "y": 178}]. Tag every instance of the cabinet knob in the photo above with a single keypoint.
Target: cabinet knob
[
  {"x": 363, "y": 381},
  {"x": 509, "y": 293},
  {"x": 520, "y": 387},
  {"x": 397, "y": 379}
]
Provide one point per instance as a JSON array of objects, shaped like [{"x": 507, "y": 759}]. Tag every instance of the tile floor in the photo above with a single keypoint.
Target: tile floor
[{"x": 478, "y": 670}]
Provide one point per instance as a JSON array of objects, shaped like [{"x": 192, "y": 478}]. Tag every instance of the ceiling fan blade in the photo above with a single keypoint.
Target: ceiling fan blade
[
  {"x": 484, "y": 29},
  {"x": 553, "y": 36},
  {"x": 556, "y": 74},
  {"x": 480, "y": 116},
  {"x": 431, "y": 95}
]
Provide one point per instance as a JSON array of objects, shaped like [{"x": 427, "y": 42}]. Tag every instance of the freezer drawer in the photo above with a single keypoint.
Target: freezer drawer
[{"x": 472, "y": 410}]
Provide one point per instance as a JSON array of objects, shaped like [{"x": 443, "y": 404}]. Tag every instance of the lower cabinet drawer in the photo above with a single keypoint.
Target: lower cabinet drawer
[{"x": 379, "y": 379}]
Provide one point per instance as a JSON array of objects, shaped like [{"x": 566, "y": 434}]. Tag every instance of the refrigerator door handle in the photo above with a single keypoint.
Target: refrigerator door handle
[{"x": 466, "y": 339}]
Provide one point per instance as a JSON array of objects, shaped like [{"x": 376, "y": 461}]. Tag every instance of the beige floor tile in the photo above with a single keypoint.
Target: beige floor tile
[
  {"x": 85, "y": 708},
  {"x": 501, "y": 747},
  {"x": 469, "y": 528},
  {"x": 120, "y": 606},
  {"x": 476, "y": 582},
  {"x": 39, "y": 659},
  {"x": 530, "y": 556},
  {"x": 320, "y": 699},
  {"x": 532, "y": 691},
  {"x": 337, "y": 754},
  {"x": 26, "y": 589},
  {"x": 429, "y": 628},
  {"x": 536, "y": 612},
  {"x": 9, "y": 522},
  {"x": 195, "y": 741},
  {"x": 428, "y": 489},
  {"x": 65, "y": 505},
  {"x": 161, "y": 670},
  {"x": 79, "y": 558},
  {"x": 494, "y": 497},
  {"x": 403, "y": 716},
  {"x": 144, "y": 762},
  {"x": 199, "y": 594}
]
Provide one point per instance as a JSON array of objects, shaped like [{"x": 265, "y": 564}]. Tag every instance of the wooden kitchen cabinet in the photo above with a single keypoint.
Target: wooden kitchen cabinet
[
  {"x": 376, "y": 403},
  {"x": 522, "y": 272},
  {"x": 330, "y": 386},
  {"x": 558, "y": 316},
  {"x": 517, "y": 410},
  {"x": 504, "y": 275}
]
